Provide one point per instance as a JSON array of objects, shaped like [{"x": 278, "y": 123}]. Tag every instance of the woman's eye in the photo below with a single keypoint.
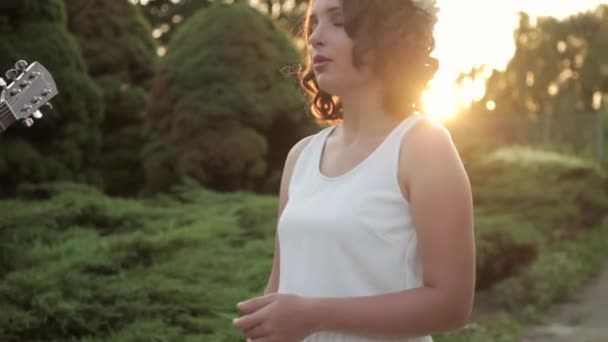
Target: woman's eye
[{"x": 339, "y": 24}]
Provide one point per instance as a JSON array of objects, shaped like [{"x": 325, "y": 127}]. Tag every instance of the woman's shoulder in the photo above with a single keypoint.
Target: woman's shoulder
[
  {"x": 295, "y": 151},
  {"x": 425, "y": 149},
  {"x": 297, "y": 148},
  {"x": 289, "y": 165},
  {"x": 427, "y": 135}
]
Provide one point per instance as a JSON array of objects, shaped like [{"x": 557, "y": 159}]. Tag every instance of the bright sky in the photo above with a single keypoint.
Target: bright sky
[{"x": 475, "y": 32}]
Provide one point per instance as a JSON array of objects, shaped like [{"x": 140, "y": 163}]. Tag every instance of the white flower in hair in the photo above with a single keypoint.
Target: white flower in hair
[{"x": 429, "y": 7}]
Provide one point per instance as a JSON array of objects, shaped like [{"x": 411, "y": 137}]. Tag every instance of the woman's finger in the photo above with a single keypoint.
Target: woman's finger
[{"x": 256, "y": 333}]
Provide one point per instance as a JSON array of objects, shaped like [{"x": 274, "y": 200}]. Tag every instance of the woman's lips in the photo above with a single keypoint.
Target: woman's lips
[
  {"x": 320, "y": 58},
  {"x": 321, "y": 64}
]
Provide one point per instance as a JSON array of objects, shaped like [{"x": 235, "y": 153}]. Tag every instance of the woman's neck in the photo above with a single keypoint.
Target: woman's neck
[{"x": 364, "y": 116}]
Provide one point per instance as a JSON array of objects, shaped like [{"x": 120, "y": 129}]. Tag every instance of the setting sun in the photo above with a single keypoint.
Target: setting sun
[{"x": 473, "y": 33}]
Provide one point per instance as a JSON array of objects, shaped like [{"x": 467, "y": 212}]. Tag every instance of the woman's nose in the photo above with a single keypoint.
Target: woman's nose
[{"x": 315, "y": 39}]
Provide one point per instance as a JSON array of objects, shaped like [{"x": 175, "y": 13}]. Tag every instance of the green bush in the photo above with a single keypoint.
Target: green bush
[
  {"x": 557, "y": 273},
  {"x": 88, "y": 267},
  {"x": 559, "y": 194},
  {"x": 502, "y": 328},
  {"x": 222, "y": 112},
  {"x": 527, "y": 200},
  {"x": 504, "y": 245},
  {"x": 522, "y": 299}
]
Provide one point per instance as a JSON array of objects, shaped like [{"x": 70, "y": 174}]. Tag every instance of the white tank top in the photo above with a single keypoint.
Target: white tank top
[{"x": 350, "y": 235}]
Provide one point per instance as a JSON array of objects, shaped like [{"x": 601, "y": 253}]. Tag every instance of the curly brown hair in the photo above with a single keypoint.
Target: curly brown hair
[{"x": 400, "y": 36}]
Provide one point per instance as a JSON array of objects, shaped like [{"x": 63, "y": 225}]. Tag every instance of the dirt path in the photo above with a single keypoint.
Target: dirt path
[{"x": 585, "y": 320}]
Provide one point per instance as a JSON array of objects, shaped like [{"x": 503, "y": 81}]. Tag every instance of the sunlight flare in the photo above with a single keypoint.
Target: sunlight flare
[{"x": 486, "y": 38}]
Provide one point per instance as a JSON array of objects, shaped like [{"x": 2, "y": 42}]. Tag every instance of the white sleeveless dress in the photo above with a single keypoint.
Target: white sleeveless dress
[{"x": 350, "y": 235}]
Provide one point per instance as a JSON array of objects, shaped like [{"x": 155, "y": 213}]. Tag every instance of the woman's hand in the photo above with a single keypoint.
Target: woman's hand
[{"x": 276, "y": 318}]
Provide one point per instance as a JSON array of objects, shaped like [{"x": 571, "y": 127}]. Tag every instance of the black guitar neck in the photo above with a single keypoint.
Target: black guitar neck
[{"x": 6, "y": 116}]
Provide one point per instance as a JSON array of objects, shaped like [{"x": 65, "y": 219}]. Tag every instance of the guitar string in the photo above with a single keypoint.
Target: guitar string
[
  {"x": 3, "y": 116},
  {"x": 7, "y": 111},
  {"x": 10, "y": 101}
]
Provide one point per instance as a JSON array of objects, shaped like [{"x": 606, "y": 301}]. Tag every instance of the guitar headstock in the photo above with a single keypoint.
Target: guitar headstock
[{"x": 29, "y": 88}]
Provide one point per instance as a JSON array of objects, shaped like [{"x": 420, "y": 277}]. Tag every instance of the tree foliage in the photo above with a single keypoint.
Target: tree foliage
[
  {"x": 121, "y": 56},
  {"x": 166, "y": 15}
]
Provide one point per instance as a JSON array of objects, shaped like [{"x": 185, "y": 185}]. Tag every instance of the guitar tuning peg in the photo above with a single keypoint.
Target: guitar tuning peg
[
  {"x": 11, "y": 74},
  {"x": 27, "y": 122},
  {"x": 21, "y": 65},
  {"x": 37, "y": 114},
  {"x": 49, "y": 105},
  {"x": 2, "y": 84}
]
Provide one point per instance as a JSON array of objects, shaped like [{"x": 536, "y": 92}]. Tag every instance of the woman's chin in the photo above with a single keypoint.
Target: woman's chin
[{"x": 326, "y": 84}]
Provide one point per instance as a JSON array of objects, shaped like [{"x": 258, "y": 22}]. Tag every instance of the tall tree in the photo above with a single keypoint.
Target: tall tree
[
  {"x": 557, "y": 66},
  {"x": 66, "y": 142},
  {"x": 121, "y": 56}
]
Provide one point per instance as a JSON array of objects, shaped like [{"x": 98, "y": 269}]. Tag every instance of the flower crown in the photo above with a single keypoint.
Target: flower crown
[{"x": 429, "y": 7}]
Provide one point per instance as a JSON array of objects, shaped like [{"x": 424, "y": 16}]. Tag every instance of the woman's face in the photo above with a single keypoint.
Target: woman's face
[{"x": 328, "y": 40}]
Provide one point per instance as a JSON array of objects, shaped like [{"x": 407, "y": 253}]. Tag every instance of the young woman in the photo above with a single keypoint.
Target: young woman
[{"x": 375, "y": 238}]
